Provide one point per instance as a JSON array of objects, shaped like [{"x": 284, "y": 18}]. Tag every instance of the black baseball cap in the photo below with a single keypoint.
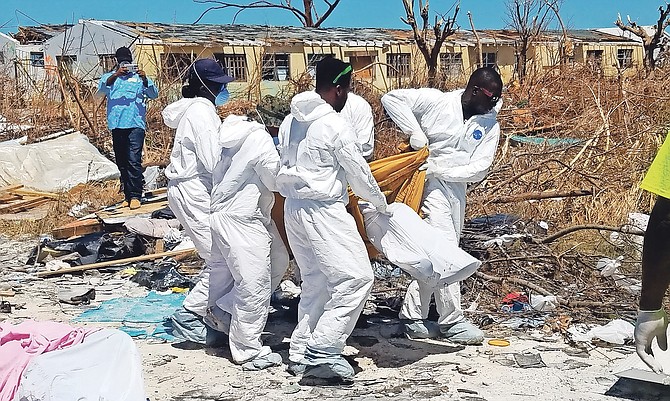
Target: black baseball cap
[
  {"x": 208, "y": 69},
  {"x": 124, "y": 54}
]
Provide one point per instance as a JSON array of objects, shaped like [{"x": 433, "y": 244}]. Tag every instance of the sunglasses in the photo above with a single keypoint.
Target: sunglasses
[
  {"x": 340, "y": 75},
  {"x": 488, "y": 93}
]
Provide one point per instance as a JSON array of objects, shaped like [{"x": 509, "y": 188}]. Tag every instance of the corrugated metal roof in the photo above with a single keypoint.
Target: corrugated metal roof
[
  {"x": 262, "y": 35},
  {"x": 40, "y": 33}
]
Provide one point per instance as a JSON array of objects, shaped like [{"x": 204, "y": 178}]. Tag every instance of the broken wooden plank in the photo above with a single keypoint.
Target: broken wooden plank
[
  {"x": 115, "y": 262},
  {"x": 28, "y": 192},
  {"x": 10, "y": 188},
  {"x": 24, "y": 205},
  {"x": 79, "y": 227},
  {"x": 7, "y": 197},
  {"x": 7, "y": 293},
  {"x": 120, "y": 215}
]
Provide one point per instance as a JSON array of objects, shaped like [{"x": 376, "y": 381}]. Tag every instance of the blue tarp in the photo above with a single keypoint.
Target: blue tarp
[{"x": 141, "y": 317}]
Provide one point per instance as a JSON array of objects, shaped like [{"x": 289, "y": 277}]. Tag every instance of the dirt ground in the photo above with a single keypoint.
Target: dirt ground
[{"x": 389, "y": 366}]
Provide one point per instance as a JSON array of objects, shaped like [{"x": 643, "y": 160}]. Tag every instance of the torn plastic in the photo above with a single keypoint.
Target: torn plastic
[
  {"x": 543, "y": 303},
  {"x": 92, "y": 248},
  {"x": 615, "y": 332},
  {"x": 162, "y": 277}
]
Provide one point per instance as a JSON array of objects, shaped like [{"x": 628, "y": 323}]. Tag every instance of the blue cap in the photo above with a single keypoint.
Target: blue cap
[{"x": 208, "y": 69}]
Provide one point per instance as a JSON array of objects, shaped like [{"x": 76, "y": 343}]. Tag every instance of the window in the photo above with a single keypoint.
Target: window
[
  {"x": 398, "y": 65},
  {"x": 625, "y": 57},
  {"x": 276, "y": 67},
  {"x": 66, "y": 62},
  {"x": 312, "y": 59},
  {"x": 37, "y": 59},
  {"x": 175, "y": 65},
  {"x": 451, "y": 64},
  {"x": 594, "y": 59},
  {"x": 489, "y": 60},
  {"x": 234, "y": 64},
  {"x": 107, "y": 61}
]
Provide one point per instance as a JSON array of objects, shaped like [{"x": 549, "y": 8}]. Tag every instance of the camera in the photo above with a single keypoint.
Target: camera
[{"x": 132, "y": 67}]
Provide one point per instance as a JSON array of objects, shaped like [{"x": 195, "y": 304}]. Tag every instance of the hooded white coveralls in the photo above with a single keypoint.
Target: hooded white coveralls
[
  {"x": 190, "y": 183},
  {"x": 319, "y": 157},
  {"x": 459, "y": 152},
  {"x": 243, "y": 232},
  {"x": 358, "y": 112}
]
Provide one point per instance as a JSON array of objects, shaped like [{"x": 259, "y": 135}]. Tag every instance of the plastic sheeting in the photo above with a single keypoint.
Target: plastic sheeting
[
  {"x": 413, "y": 245},
  {"x": 106, "y": 367},
  {"x": 54, "y": 165}
]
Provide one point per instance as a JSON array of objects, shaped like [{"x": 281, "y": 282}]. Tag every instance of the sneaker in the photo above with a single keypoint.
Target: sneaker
[
  {"x": 263, "y": 362},
  {"x": 134, "y": 204},
  {"x": 416, "y": 329},
  {"x": 124, "y": 204},
  {"x": 462, "y": 332}
]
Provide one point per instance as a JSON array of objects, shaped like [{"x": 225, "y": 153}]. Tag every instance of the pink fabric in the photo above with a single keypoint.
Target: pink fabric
[{"x": 20, "y": 343}]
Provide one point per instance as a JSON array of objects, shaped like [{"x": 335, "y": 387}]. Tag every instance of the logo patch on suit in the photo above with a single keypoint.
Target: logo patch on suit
[{"x": 477, "y": 134}]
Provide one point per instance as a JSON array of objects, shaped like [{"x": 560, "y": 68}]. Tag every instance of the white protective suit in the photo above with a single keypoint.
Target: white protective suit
[
  {"x": 459, "y": 152},
  {"x": 319, "y": 157},
  {"x": 358, "y": 113},
  {"x": 243, "y": 233},
  {"x": 190, "y": 183}
]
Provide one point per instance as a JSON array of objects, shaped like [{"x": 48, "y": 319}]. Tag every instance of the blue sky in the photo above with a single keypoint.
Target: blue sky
[{"x": 354, "y": 13}]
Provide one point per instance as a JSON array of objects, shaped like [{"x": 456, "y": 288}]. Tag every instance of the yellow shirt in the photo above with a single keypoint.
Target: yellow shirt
[{"x": 657, "y": 179}]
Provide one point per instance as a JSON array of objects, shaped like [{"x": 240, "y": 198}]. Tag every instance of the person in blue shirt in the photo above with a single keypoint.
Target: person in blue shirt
[{"x": 127, "y": 91}]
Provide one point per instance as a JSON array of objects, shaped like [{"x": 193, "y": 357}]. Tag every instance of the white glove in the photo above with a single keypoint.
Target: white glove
[
  {"x": 385, "y": 209},
  {"x": 418, "y": 140},
  {"x": 650, "y": 325}
]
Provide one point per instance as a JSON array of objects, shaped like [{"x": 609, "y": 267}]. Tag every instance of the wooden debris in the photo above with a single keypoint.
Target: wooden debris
[
  {"x": 115, "y": 262},
  {"x": 79, "y": 227},
  {"x": 16, "y": 199}
]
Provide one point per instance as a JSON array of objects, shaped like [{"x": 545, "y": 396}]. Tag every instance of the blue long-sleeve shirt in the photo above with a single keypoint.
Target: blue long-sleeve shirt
[{"x": 126, "y": 100}]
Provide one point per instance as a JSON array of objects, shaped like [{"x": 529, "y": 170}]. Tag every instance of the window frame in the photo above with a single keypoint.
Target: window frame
[
  {"x": 36, "y": 61},
  {"x": 451, "y": 64},
  {"x": 399, "y": 65},
  {"x": 270, "y": 70},
  {"x": 624, "y": 58},
  {"x": 235, "y": 65},
  {"x": 486, "y": 62}
]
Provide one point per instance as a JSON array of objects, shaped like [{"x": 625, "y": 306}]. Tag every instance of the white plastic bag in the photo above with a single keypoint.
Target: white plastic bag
[
  {"x": 413, "y": 245},
  {"x": 543, "y": 303}
]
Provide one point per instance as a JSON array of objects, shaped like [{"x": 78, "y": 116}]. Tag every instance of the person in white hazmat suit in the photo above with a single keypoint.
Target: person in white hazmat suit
[
  {"x": 461, "y": 132},
  {"x": 358, "y": 113},
  {"x": 319, "y": 157},
  {"x": 190, "y": 183},
  {"x": 243, "y": 235}
]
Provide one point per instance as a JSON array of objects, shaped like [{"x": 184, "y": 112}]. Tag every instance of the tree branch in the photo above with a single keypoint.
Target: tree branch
[{"x": 255, "y": 4}]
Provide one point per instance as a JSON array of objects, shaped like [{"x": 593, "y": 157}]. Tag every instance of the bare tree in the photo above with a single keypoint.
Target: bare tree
[
  {"x": 430, "y": 45},
  {"x": 650, "y": 42},
  {"x": 307, "y": 12},
  {"x": 529, "y": 18}
]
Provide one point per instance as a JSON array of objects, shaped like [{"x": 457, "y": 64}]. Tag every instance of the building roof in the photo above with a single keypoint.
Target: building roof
[
  {"x": 651, "y": 30},
  {"x": 260, "y": 35},
  {"x": 40, "y": 33}
]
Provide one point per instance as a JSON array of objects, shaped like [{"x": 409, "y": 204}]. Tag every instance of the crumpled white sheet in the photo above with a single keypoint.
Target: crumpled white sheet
[
  {"x": 54, "y": 165},
  {"x": 416, "y": 247},
  {"x": 105, "y": 367}
]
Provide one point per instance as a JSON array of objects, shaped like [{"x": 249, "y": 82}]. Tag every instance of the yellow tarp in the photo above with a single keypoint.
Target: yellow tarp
[
  {"x": 401, "y": 181},
  {"x": 398, "y": 177}
]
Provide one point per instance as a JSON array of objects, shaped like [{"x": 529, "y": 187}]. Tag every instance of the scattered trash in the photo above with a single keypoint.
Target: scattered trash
[
  {"x": 609, "y": 266},
  {"x": 55, "y": 265},
  {"x": 163, "y": 277},
  {"x": 5, "y": 307},
  {"x": 77, "y": 297},
  {"x": 465, "y": 370},
  {"x": 529, "y": 360},
  {"x": 515, "y": 302},
  {"x": 499, "y": 342},
  {"x": 79, "y": 210},
  {"x": 543, "y": 303},
  {"x": 154, "y": 228},
  {"x": 615, "y": 332}
]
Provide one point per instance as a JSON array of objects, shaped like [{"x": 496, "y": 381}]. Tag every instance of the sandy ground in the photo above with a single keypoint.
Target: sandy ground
[{"x": 389, "y": 367}]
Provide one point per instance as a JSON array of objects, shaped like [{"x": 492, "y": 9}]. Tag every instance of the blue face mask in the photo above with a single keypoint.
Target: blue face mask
[{"x": 222, "y": 97}]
